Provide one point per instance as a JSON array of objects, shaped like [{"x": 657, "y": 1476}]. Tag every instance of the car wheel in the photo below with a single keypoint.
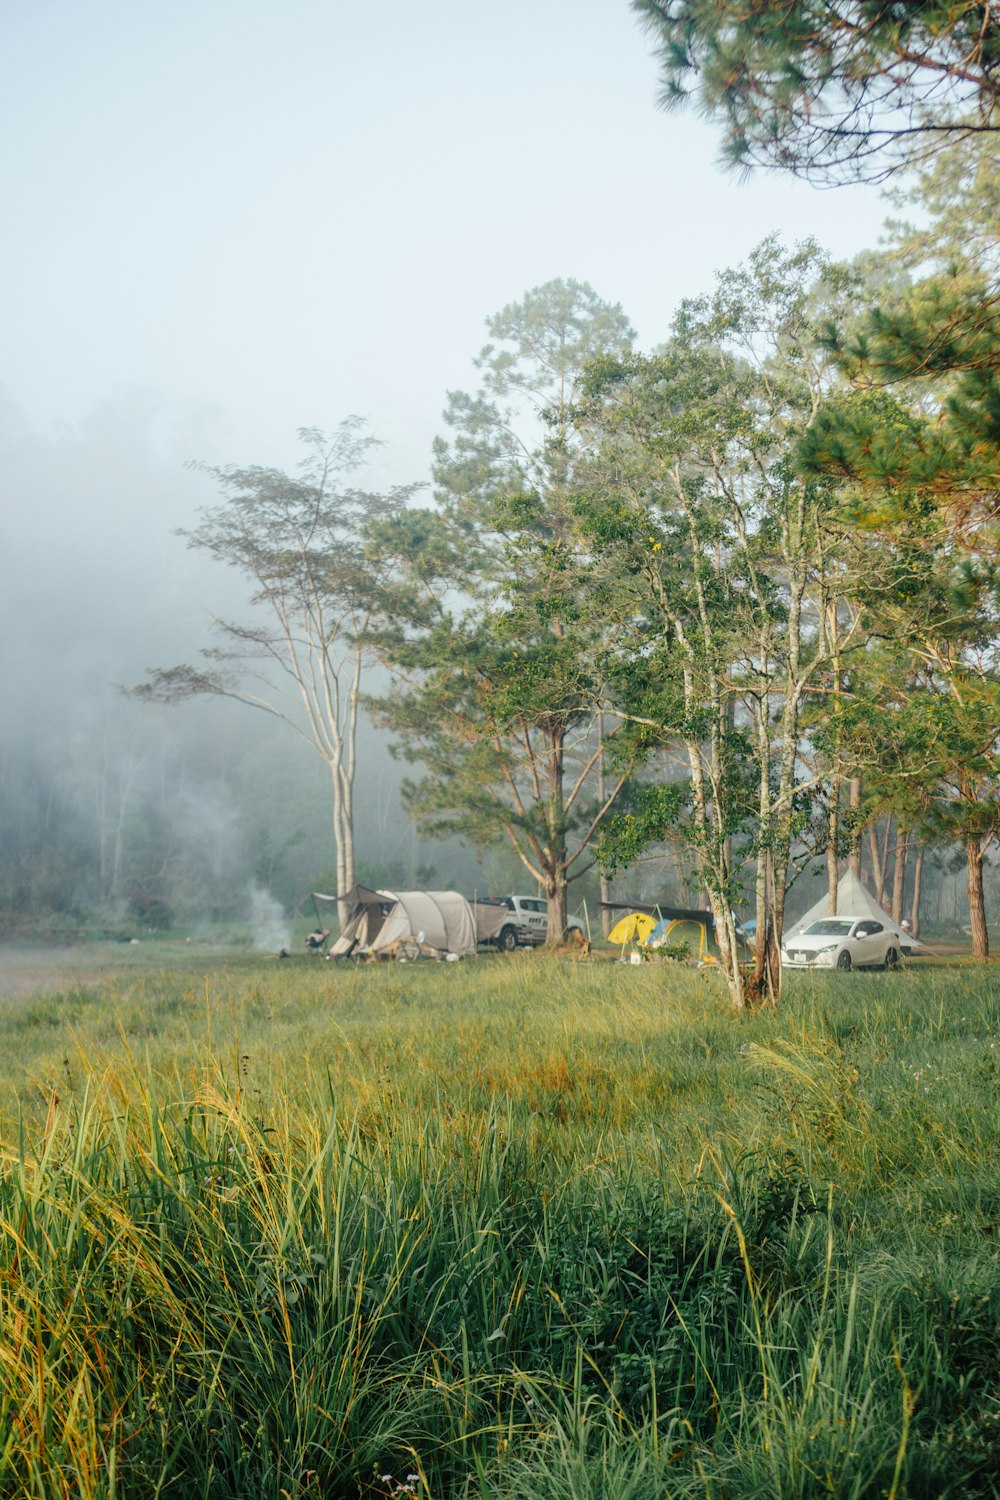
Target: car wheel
[
  {"x": 843, "y": 960},
  {"x": 507, "y": 941},
  {"x": 891, "y": 958}
]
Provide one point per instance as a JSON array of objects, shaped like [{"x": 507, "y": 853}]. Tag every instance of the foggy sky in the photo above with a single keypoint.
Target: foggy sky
[
  {"x": 276, "y": 214},
  {"x": 226, "y": 219}
]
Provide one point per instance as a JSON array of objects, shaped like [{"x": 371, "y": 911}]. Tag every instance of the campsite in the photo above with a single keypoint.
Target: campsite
[{"x": 500, "y": 751}]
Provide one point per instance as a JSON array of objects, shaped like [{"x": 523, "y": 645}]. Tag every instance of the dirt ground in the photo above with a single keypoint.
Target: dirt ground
[
  {"x": 37, "y": 968},
  {"x": 28, "y": 968}
]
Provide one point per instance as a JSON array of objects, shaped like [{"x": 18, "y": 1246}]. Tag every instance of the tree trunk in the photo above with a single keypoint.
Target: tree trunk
[
  {"x": 762, "y": 934},
  {"x": 343, "y": 794},
  {"x": 729, "y": 952},
  {"x": 877, "y": 875},
  {"x": 764, "y": 984},
  {"x": 711, "y": 872},
  {"x": 343, "y": 909},
  {"x": 350, "y": 875},
  {"x": 555, "y": 898},
  {"x": 880, "y": 857},
  {"x": 832, "y": 839},
  {"x": 554, "y": 864},
  {"x": 832, "y": 625},
  {"x": 977, "y": 902},
  {"x": 918, "y": 871},
  {"x": 607, "y": 915},
  {"x": 854, "y": 853},
  {"x": 607, "y": 920},
  {"x": 899, "y": 876}
]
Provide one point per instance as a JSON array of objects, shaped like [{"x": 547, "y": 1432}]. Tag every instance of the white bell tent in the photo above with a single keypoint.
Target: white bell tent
[{"x": 855, "y": 900}]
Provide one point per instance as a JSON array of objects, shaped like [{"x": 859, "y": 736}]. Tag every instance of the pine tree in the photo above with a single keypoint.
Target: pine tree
[
  {"x": 499, "y": 642},
  {"x": 832, "y": 90}
]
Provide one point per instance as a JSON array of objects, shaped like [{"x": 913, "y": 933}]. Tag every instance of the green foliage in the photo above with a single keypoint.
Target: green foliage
[
  {"x": 651, "y": 818},
  {"x": 511, "y": 437},
  {"x": 499, "y": 641},
  {"x": 852, "y": 89},
  {"x": 943, "y": 334},
  {"x": 150, "y": 908},
  {"x": 929, "y": 451},
  {"x": 720, "y": 564}
]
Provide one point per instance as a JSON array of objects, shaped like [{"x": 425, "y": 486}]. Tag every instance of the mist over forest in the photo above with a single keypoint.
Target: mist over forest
[
  {"x": 308, "y": 238},
  {"x": 131, "y": 816}
]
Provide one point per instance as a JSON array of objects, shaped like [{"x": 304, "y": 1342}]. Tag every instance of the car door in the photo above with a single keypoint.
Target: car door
[
  {"x": 871, "y": 942},
  {"x": 536, "y": 915}
]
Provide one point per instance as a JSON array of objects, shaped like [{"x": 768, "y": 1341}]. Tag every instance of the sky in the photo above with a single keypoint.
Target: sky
[
  {"x": 267, "y": 214},
  {"x": 224, "y": 220}
]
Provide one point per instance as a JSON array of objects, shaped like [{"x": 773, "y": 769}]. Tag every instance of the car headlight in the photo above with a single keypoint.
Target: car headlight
[{"x": 827, "y": 948}]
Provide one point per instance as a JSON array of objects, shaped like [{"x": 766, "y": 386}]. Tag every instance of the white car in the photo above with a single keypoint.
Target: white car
[
  {"x": 841, "y": 943},
  {"x": 528, "y": 925}
]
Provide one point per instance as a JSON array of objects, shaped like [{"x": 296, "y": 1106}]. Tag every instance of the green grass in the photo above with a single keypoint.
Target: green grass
[{"x": 519, "y": 1228}]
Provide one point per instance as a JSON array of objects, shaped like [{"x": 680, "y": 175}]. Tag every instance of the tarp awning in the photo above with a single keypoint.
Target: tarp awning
[{"x": 663, "y": 911}]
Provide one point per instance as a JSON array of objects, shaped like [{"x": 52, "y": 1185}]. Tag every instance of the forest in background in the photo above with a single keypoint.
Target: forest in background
[
  {"x": 122, "y": 815},
  {"x": 704, "y": 616}
]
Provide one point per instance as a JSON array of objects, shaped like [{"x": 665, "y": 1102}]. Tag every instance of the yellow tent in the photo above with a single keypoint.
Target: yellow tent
[
  {"x": 684, "y": 930},
  {"x": 634, "y": 927}
]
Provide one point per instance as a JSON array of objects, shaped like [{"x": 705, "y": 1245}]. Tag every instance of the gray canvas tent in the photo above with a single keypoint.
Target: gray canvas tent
[
  {"x": 437, "y": 922},
  {"x": 855, "y": 900}
]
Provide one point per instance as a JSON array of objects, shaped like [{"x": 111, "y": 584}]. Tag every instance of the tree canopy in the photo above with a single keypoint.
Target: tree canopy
[
  {"x": 832, "y": 90},
  {"x": 299, "y": 541},
  {"x": 499, "y": 668}
]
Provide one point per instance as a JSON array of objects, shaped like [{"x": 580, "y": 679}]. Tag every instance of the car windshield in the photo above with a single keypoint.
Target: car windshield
[{"x": 829, "y": 927}]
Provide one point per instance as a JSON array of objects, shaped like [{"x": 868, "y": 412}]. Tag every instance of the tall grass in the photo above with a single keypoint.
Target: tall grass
[{"x": 515, "y": 1229}]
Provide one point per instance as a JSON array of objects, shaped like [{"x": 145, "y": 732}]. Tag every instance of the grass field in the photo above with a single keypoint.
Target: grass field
[{"x": 521, "y": 1228}]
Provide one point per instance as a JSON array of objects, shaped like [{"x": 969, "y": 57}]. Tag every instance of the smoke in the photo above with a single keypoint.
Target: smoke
[{"x": 271, "y": 928}]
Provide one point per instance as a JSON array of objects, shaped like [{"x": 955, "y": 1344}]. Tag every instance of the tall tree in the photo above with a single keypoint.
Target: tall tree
[
  {"x": 921, "y": 723},
  {"x": 498, "y": 667},
  {"x": 514, "y": 434},
  {"x": 300, "y": 657},
  {"x": 932, "y": 748},
  {"x": 933, "y": 343},
  {"x": 717, "y": 561},
  {"x": 832, "y": 89}
]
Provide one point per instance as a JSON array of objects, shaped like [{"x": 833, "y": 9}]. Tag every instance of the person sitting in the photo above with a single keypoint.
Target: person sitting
[{"x": 317, "y": 938}]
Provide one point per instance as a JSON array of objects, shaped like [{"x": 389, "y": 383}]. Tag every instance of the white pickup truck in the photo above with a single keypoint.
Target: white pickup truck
[{"x": 528, "y": 923}]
